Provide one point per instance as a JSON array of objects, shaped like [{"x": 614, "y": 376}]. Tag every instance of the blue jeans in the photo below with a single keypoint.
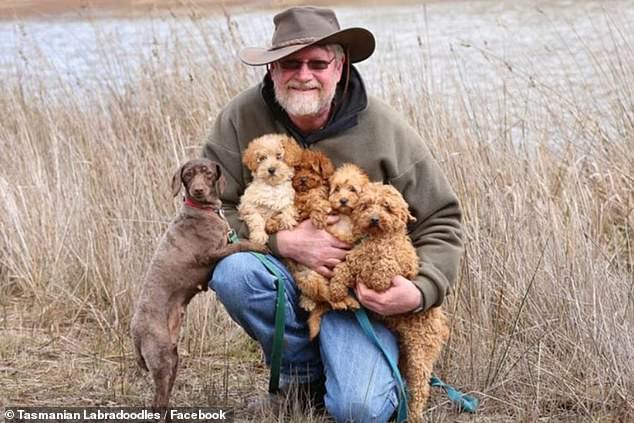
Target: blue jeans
[{"x": 360, "y": 386}]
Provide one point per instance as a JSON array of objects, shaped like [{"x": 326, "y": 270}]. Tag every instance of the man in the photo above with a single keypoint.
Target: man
[{"x": 312, "y": 92}]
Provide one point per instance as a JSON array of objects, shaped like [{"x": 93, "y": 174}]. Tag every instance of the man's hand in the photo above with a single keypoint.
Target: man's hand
[
  {"x": 402, "y": 297},
  {"x": 312, "y": 247}
]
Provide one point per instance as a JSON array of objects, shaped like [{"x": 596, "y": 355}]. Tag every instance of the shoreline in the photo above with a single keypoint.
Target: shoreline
[{"x": 60, "y": 9}]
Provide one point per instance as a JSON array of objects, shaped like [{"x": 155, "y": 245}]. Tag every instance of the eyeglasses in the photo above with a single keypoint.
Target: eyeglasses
[{"x": 316, "y": 65}]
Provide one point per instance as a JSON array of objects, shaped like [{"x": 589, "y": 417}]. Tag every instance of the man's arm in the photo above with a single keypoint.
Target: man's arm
[{"x": 437, "y": 233}]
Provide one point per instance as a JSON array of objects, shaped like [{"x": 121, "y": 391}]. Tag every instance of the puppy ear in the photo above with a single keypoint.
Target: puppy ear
[
  {"x": 327, "y": 168},
  {"x": 220, "y": 179},
  {"x": 177, "y": 181},
  {"x": 248, "y": 157},
  {"x": 399, "y": 201},
  {"x": 292, "y": 151}
]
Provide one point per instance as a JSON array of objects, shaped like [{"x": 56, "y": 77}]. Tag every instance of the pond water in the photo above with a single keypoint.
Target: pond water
[{"x": 450, "y": 45}]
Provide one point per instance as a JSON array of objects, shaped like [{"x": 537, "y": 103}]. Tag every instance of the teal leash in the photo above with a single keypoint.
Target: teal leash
[
  {"x": 464, "y": 402},
  {"x": 280, "y": 317},
  {"x": 362, "y": 318}
]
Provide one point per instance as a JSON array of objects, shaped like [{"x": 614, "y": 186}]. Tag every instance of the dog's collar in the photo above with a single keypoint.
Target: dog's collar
[{"x": 196, "y": 205}]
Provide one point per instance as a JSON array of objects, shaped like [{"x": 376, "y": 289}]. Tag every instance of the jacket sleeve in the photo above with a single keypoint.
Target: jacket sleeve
[
  {"x": 437, "y": 232},
  {"x": 222, "y": 146}
]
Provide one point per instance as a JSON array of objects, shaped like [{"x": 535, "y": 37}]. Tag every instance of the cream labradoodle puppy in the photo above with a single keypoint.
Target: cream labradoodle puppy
[{"x": 267, "y": 205}]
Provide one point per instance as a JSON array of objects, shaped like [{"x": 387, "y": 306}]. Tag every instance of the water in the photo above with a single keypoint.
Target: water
[{"x": 453, "y": 48}]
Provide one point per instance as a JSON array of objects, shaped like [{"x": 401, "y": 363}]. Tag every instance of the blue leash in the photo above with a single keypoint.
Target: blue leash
[{"x": 464, "y": 402}]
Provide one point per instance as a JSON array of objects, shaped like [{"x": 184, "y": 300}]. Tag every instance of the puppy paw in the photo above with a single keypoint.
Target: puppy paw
[
  {"x": 288, "y": 223},
  {"x": 352, "y": 303},
  {"x": 347, "y": 303},
  {"x": 306, "y": 303},
  {"x": 318, "y": 220},
  {"x": 337, "y": 293},
  {"x": 272, "y": 225}
]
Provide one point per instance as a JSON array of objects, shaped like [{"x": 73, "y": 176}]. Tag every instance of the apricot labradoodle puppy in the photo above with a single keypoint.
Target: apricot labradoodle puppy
[
  {"x": 387, "y": 251},
  {"x": 346, "y": 185},
  {"x": 311, "y": 201},
  {"x": 267, "y": 205}
]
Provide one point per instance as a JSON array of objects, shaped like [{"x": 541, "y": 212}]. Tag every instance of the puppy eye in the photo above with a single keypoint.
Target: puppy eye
[
  {"x": 278, "y": 156},
  {"x": 336, "y": 189},
  {"x": 353, "y": 189},
  {"x": 260, "y": 159}
]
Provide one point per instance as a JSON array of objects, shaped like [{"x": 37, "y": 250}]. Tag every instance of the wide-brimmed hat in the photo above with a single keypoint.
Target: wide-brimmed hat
[{"x": 300, "y": 27}]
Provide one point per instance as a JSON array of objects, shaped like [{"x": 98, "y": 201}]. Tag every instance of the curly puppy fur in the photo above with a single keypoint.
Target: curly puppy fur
[
  {"x": 346, "y": 185},
  {"x": 311, "y": 183},
  {"x": 387, "y": 251},
  {"x": 267, "y": 205},
  {"x": 195, "y": 239},
  {"x": 311, "y": 187}
]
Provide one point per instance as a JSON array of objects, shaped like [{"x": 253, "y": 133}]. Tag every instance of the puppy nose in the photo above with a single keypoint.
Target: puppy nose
[
  {"x": 343, "y": 201},
  {"x": 303, "y": 179},
  {"x": 198, "y": 191},
  {"x": 271, "y": 171},
  {"x": 375, "y": 221}
]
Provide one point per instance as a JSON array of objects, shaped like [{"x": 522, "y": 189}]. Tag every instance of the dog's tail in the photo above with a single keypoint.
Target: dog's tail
[{"x": 314, "y": 319}]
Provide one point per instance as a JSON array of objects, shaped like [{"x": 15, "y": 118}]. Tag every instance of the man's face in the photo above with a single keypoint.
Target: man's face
[{"x": 303, "y": 91}]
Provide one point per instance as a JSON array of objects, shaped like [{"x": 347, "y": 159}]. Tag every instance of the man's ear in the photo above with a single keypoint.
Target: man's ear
[{"x": 177, "y": 181}]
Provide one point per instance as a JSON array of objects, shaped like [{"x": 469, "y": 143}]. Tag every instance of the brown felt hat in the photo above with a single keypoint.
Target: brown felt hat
[{"x": 300, "y": 27}]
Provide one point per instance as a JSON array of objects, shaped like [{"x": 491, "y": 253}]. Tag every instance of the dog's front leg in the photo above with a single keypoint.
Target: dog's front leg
[
  {"x": 341, "y": 280},
  {"x": 379, "y": 275},
  {"x": 211, "y": 257},
  {"x": 320, "y": 211},
  {"x": 287, "y": 218},
  {"x": 256, "y": 224}
]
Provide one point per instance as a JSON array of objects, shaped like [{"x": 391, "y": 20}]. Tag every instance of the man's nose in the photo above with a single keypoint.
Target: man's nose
[{"x": 304, "y": 73}]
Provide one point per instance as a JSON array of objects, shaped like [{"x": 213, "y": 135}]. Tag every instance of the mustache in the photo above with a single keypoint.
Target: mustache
[{"x": 303, "y": 85}]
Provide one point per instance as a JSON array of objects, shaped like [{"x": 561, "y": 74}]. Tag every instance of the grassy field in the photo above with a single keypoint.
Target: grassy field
[{"x": 542, "y": 316}]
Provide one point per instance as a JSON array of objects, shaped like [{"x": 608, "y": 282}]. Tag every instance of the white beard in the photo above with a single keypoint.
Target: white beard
[{"x": 303, "y": 103}]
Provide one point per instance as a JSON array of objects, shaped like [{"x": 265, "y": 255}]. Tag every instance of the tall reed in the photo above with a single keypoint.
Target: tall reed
[{"x": 542, "y": 316}]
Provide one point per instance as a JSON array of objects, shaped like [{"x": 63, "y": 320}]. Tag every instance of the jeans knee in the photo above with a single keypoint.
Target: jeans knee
[
  {"x": 360, "y": 407},
  {"x": 228, "y": 277}
]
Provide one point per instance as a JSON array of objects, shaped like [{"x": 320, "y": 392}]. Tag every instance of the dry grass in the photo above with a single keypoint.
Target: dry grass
[{"x": 543, "y": 314}]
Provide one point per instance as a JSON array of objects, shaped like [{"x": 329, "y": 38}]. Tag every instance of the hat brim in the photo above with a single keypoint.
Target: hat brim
[{"x": 359, "y": 42}]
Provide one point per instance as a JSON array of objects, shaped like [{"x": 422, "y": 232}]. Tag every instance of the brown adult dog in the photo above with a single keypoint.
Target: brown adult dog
[
  {"x": 195, "y": 240},
  {"x": 387, "y": 251}
]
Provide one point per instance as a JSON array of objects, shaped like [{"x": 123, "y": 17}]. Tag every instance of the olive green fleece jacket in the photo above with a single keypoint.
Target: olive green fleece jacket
[{"x": 381, "y": 143}]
